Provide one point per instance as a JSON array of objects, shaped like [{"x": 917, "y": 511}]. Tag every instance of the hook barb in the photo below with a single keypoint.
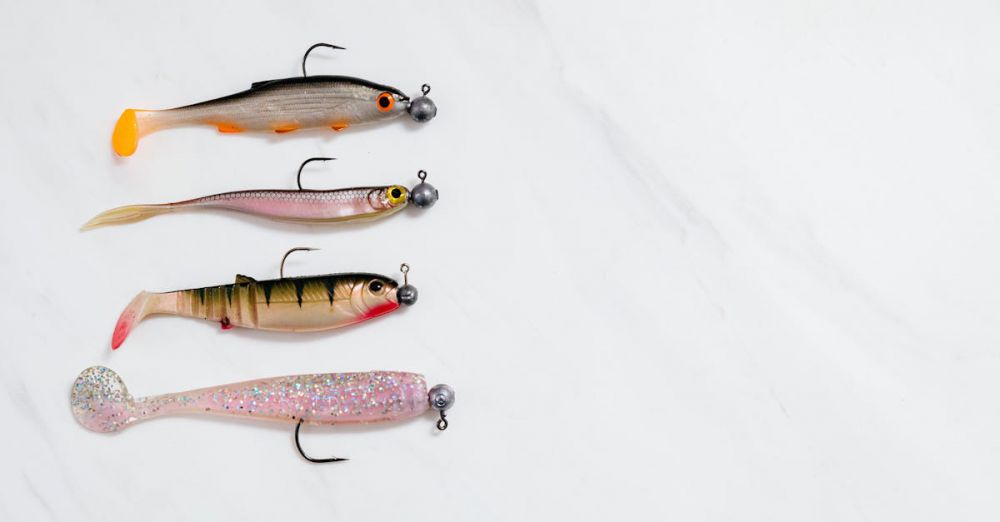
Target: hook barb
[
  {"x": 331, "y": 46},
  {"x": 281, "y": 271},
  {"x": 307, "y": 457},
  {"x": 298, "y": 178}
]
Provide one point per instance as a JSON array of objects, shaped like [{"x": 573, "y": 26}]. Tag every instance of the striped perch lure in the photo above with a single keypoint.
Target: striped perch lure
[
  {"x": 101, "y": 402},
  {"x": 292, "y": 304},
  {"x": 300, "y": 206},
  {"x": 281, "y": 106}
]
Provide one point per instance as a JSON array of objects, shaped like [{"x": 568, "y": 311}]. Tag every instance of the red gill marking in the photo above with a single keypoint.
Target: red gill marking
[{"x": 381, "y": 309}]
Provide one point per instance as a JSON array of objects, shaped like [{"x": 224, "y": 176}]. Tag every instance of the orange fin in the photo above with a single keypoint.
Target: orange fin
[
  {"x": 228, "y": 128},
  {"x": 125, "y": 139},
  {"x": 286, "y": 128},
  {"x": 338, "y": 126}
]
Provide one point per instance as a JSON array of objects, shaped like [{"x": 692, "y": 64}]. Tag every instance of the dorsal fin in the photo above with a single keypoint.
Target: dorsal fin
[{"x": 240, "y": 279}]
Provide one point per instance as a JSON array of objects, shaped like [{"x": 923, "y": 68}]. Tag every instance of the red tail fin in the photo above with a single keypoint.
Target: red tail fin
[{"x": 134, "y": 312}]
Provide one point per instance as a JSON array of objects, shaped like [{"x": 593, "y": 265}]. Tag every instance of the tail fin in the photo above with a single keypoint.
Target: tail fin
[
  {"x": 140, "y": 307},
  {"x": 126, "y": 136},
  {"x": 126, "y": 214},
  {"x": 132, "y": 125}
]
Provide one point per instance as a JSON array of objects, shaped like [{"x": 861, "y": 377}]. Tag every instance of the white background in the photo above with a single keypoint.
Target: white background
[{"x": 692, "y": 260}]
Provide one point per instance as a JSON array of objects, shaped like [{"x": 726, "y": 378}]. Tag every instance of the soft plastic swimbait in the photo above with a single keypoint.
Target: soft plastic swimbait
[
  {"x": 293, "y": 304},
  {"x": 305, "y": 206},
  {"x": 101, "y": 402},
  {"x": 286, "y": 105}
]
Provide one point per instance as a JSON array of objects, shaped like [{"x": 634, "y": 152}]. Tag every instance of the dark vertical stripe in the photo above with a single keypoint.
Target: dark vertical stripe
[
  {"x": 329, "y": 282},
  {"x": 229, "y": 294},
  {"x": 201, "y": 295},
  {"x": 299, "y": 285},
  {"x": 266, "y": 287}
]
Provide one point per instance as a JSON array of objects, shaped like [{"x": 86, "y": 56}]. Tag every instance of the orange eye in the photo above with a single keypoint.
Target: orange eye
[{"x": 385, "y": 102}]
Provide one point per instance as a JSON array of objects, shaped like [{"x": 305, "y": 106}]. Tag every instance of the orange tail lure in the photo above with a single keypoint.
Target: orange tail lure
[{"x": 281, "y": 106}]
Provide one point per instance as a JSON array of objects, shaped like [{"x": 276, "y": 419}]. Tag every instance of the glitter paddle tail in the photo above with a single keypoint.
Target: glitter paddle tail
[{"x": 101, "y": 402}]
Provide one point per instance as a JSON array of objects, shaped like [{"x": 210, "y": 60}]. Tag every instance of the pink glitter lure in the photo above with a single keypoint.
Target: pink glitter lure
[{"x": 101, "y": 402}]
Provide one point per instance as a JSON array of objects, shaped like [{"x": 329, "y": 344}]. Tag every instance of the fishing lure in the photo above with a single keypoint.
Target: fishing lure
[
  {"x": 281, "y": 106},
  {"x": 101, "y": 402},
  {"x": 294, "y": 304},
  {"x": 305, "y": 206}
]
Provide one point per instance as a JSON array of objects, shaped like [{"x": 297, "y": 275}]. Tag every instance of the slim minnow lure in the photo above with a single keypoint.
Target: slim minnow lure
[
  {"x": 281, "y": 106},
  {"x": 101, "y": 402},
  {"x": 305, "y": 206},
  {"x": 293, "y": 304}
]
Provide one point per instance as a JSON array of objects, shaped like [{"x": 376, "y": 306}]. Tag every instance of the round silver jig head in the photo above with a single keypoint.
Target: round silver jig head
[
  {"x": 422, "y": 108},
  {"x": 441, "y": 398},
  {"x": 423, "y": 195}
]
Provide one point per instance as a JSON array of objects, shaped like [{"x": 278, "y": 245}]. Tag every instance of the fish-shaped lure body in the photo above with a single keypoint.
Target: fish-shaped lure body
[
  {"x": 308, "y": 206},
  {"x": 281, "y": 106},
  {"x": 293, "y": 304},
  {"x": 102, "y": 403}
]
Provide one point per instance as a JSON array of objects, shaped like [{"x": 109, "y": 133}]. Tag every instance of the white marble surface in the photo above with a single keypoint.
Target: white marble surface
[{"x": 692, "y": 260}]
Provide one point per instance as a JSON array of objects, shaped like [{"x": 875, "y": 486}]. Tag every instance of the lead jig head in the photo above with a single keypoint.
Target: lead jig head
[
  {"x": 422, "y": 108},
  {"x": 406, "y": 294},
  {"x": 423, "y": 194},
  {"x": 441, "y": 397}
]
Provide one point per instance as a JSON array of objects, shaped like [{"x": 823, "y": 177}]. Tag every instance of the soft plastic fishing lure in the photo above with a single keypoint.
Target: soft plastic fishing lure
[
  {"x": 101, "y": 402},
  {"x": 294, "y": 304},
  {"x": 305, "y": 206},
  {"x": 281, "y": 106}
]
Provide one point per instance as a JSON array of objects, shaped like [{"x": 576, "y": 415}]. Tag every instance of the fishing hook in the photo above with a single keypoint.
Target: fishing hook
[
  {"x": 331, "y": 46},
  {"x": 298, "y": 178},
  {"x": 281, "y": 271},
  {"x": 442, "y": 423},
  {"x": 307, "y": 457}
]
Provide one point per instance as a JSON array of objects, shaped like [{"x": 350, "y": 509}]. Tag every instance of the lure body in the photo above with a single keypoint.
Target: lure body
[
  {"x": 101, "y": 402},
  {"x": 308, "y": 206},
  {"x": 294, "y": 304},
  {"x": 286, "y": 105}
]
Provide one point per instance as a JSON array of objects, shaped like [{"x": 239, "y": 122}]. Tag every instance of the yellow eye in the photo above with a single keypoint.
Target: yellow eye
[
  {"x": 396, "y": 195},
  {"x": 385, "y": 101}
]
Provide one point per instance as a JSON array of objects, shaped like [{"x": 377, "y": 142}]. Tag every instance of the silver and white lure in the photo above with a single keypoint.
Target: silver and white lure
[{"x": 282, "y": 106}]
